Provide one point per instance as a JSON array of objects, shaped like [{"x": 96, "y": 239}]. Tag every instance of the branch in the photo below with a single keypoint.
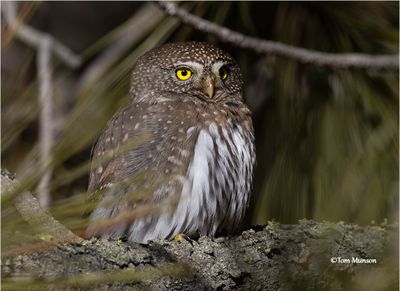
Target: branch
[
  {"x": 31, "y": 212},
  {"x": 34, "y": 37},
  {"x": 303, "y": 256},
  {"x": 46, "y": 122},
  {"x": 45, "y": 44},
  {"x": 333, "y": 60}
]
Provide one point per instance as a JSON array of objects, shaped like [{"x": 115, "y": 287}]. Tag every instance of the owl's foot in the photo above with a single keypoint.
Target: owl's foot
[{"x": 183, "y": 237}]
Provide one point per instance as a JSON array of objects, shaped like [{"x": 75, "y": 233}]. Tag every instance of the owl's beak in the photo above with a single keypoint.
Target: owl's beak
[{"x": 209, "y": 86}]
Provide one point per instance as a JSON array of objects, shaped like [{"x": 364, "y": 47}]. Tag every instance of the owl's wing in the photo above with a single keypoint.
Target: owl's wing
[
  {"x": 101, "y": 158},
  {"x": 122, "y": 137},
  {"x": 139, "y": 160}
]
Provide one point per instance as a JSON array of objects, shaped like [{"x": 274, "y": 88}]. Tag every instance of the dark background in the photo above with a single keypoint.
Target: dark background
[{"x": 327, "y": 139}]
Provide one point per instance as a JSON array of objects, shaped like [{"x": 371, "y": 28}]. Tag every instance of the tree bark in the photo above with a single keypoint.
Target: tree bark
[{"x": 305, "y": 256}]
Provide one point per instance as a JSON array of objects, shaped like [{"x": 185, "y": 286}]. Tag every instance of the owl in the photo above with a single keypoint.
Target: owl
[{"x": 179, "y": 158}]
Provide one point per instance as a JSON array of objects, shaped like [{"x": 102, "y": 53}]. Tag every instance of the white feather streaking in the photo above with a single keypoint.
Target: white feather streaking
[{"x": 197, "y": 210}]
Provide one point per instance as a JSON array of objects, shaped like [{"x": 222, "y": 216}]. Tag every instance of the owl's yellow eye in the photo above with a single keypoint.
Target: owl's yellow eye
[
  {"x": 183, "y": 74},
  {"x": 223, "y": 72}
]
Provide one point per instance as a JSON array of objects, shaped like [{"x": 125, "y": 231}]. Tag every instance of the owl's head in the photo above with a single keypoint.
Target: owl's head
[{"x": 186, "y": 70}]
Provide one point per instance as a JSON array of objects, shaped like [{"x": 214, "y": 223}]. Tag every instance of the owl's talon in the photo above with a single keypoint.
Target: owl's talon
[{"x": 181, "y": 236}]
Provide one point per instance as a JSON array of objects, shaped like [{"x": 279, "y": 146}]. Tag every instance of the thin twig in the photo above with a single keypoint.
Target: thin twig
[
  {"x": 34, "y": 37},
  {"x": 46, "y": 120},
  {"x": 333, "y": 60},
  {"x": 45, "y": 45}
]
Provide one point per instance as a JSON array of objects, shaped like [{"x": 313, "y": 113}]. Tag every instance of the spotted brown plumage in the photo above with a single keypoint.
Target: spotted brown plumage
[{"x": 179, "y": 157}]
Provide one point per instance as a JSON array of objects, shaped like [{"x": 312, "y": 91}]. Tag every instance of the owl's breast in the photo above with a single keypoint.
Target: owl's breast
[{"x": 218, "y": 180}]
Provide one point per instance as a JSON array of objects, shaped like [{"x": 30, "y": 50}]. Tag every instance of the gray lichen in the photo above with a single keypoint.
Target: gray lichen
[{"x": 274, "y": 257}]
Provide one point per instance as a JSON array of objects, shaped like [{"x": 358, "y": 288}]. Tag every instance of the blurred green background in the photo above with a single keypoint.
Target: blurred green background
[{"x": 327, "y": 140}]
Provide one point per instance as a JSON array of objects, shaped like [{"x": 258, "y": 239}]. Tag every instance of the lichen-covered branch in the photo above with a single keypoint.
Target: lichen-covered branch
[
  {"x": 333, "y": 60},
  {"x": 29, "y": 208},
  {"x": 304, "y": 256}
]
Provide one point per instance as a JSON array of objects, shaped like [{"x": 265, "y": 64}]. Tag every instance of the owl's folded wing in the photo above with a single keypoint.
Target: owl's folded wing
[{"x": 117, "y": 147}]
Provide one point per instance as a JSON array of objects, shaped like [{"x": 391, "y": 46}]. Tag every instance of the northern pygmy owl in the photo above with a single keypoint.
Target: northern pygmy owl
[{"x": 178, "y": 159}]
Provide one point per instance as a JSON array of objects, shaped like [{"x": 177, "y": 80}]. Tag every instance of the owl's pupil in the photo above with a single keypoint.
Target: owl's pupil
[
  {"x": 223, "y": 72},
  {"x": 184, "y": 73}
]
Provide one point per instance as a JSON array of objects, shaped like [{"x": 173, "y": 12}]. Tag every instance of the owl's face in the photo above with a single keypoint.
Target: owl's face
[{"x": 189, "y": 70}]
